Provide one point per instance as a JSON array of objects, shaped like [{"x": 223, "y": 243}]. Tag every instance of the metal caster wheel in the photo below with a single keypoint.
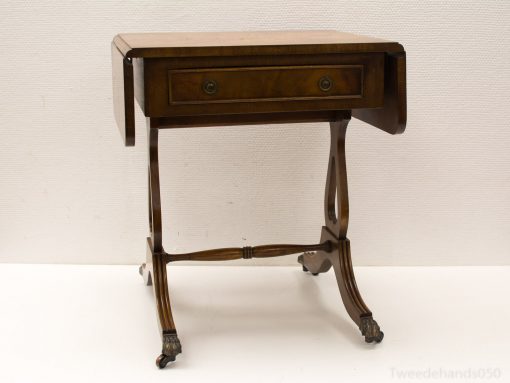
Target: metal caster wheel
[{"x": 163, "y": 360}]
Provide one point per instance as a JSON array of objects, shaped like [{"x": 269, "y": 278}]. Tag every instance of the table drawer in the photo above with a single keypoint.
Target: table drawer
[
  {"x": 260, "y": 84},
  {"x": 193, "y": 86}
]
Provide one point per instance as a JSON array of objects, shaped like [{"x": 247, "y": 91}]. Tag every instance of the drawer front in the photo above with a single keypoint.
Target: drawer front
[
  {"x": 199, "y": 86},
  {"x": 261, "y": 84}
]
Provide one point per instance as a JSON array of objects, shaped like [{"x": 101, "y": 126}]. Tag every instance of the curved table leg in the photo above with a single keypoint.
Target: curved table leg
[
  {"x": 340, "y": 259},
  {"x": 171, "y": 344},
  {"x": 336, "y": 211},
  {"x": 154, "y": 270}
]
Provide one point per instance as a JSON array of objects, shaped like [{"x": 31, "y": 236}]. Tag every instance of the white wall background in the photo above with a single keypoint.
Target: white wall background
[{"x": 71, "y": 193}]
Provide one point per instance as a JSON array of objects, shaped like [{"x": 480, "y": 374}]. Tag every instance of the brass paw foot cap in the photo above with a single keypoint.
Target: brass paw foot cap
[
  {"x": 370, "y": 330},
  {"x": 171, "y": 348},
  {"x": 171, "y": 345}
]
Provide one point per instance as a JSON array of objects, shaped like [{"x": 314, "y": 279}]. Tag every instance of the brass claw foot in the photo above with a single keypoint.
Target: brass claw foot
[
  {"x": 171, "y": 348},
  {"x": 370, "y": 330}
]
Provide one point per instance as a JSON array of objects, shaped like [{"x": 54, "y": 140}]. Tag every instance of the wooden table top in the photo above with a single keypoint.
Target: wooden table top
[
  {"x": 381, "y": 103},
  {"x": 179, "y": 44}
]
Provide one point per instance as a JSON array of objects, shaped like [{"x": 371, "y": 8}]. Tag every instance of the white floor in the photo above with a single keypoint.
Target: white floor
[{"x": 253, "y": 324}]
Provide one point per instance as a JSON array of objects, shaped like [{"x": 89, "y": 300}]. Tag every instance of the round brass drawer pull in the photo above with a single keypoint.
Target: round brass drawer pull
[
  {"x": 210, "y": 87},
  {"x": 325, "y": 83}
]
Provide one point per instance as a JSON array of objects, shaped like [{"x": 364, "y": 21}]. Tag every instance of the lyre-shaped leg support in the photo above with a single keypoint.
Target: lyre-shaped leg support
[
  {"x": 154, "y": 270},
  {"x": 335, "y": 231}
]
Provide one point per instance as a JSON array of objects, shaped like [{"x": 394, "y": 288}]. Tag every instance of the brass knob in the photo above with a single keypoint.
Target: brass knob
[
  {"x": 325, "y": 83},
  {"x": 210, "y": 87}
]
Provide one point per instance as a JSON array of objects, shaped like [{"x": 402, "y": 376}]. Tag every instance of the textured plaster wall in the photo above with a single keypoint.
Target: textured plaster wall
[{"x": 71, "y": 193}]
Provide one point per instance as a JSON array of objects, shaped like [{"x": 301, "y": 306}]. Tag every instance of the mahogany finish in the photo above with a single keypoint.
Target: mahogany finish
[
  {"x": 227, "y": 85},
  {"x": 185, "y": 80},
  {"x": 193, "y": 44},
  {"x": 335, "y": 232},
  {"x": 247, "y": 84}
]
